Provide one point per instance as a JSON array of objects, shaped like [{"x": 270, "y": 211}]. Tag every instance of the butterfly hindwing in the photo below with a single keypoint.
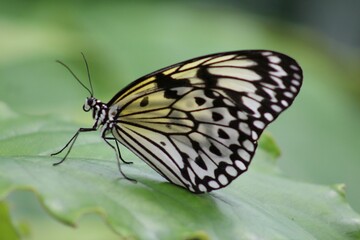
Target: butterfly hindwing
[{"x": 197, "y": 122}]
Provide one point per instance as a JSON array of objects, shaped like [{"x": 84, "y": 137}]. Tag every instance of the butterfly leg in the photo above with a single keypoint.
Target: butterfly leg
[
  {"x": 70, "y": 144},
  {"x": 118, "y": 150},
  {"x": 118, "y": 157}
]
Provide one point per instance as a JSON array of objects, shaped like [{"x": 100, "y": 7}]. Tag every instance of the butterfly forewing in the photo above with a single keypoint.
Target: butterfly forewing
[{"x": 197, "y": 122}]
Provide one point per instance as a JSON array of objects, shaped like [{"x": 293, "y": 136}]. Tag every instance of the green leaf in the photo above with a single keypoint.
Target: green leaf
[
  {"x": 267, "y": 142},
  {"x": 123, "y": 41},
  {"x": 7, "y": 229},
  {"x": 261, "y": 204}
]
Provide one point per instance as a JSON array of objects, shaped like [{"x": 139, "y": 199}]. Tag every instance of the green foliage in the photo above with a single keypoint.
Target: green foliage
[
  {"x": 7, "y": 230},
  {"x": 40, "y": 109},
  {"x": 260, "y": 204}
]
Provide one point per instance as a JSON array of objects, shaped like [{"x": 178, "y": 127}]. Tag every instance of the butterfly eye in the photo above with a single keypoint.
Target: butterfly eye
[{"x": 89, "y": 104}]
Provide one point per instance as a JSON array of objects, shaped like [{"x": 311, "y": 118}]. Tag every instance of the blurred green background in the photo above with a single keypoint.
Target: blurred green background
[{"x": 123, "y": 40}]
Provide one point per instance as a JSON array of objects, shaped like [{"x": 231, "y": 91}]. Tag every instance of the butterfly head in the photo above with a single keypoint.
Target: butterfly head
[{"x": 89, "y": 104}]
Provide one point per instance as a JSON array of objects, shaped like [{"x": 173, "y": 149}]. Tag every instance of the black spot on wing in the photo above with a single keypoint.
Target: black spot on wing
[
  {"x": 209, "y": 79},
  {"x": 222, "y": 134},
  {"x": 169, "y": 84},
  {"x": 166, "y": 82},
  {"x": 215, "y": 150},
  {"x": 196, "y": 146},
  {"x": 171, "y": 94},
  {"x": 200, "y": 162},
  {"x": 217, "y": 116},
  {"x": 144, "y": 102},
  {"x": 210, "y": 93},
  {"x": 199, "y": 101}
]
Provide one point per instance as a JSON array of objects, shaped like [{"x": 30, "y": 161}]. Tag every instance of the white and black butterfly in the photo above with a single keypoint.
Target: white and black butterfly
[{"x": 197, "y": 122}]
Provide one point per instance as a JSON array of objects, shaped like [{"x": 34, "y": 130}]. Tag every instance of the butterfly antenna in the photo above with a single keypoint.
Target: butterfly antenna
[
  {"x": 77, "y": 79},
  {"x": 88, "y": 72}
]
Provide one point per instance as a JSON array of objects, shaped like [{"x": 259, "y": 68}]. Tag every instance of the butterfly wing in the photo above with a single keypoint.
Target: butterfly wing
[{"x": 197, "y": 122}]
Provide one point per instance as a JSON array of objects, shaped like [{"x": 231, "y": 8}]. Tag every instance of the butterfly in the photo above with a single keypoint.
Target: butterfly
[{"x": 197, "y": 122}]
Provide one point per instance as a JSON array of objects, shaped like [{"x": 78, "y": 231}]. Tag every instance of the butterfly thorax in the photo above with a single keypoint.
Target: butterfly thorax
[{"x": 100, "y": 112}]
